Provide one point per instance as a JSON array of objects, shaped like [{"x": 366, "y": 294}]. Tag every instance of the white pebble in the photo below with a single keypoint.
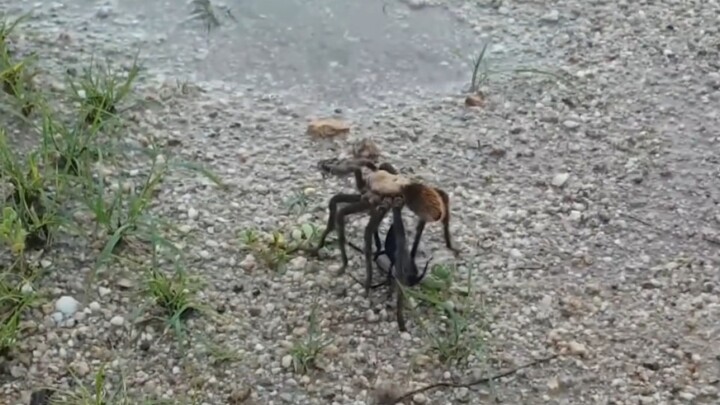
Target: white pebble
[
  {"x": 67, "y": 305},
  {"x": 26, "y": 289},
  {"x": 560, "y": 179},
  {"x": 57, "y": 317},
  {"x": 117, "y": 320}
]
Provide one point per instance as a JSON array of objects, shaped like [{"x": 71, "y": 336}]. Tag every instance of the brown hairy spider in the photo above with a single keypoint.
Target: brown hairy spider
[{"x": 380, "y": 189}]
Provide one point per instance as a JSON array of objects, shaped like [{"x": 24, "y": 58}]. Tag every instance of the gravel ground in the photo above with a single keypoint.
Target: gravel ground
[{"x": 587, "y": 215}]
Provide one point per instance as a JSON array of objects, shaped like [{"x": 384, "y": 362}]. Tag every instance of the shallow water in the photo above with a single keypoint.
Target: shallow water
[{"x": 341, "y": 51}]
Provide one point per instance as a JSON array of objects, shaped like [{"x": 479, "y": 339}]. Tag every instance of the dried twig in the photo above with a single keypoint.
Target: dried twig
[
  {"x": 640, "y": 220},
  {"x": 483, "y": 380}
]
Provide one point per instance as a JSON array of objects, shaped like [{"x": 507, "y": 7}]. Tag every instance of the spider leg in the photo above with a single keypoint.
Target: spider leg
[
  {"x": 446, "y": 222},
  {"x": 371, "y": 229},
  {"x": 399, "y": 304},
  {"x": 419, "y": 228},
  {"x": 332, "y": 207},
  {"x": 350, "y": 209}
]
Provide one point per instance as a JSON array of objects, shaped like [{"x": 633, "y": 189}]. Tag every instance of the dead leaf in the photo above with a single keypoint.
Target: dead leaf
[{"x": 327, "y": 128}]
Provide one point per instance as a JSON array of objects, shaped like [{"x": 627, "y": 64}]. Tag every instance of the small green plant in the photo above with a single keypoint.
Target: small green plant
[
  {"x": 297, "y": 203},
  {"x": 100, "y": 392},
  {"x": 6, "y": 28},
  {"x": 125, "y": 211},
  {"x": 452, "y": 337},
  {"x": 275, "y": 250},
  {"x": 13, "y": 234},
  {"x": 13, "y": 301},
  {"x": 270, "y": 249},
  {"x": 438, "y": 282},
  {"x": 28, "y": 197},
  {"x": 17, "y": 80},
  {"x": 221, "y": 354},
  {"x": 305, "y": 352},
  {"x": 304, "y": 237},
  {"x": 72, "y": 149},
  {"x": 173, "y": 295},
  {"x": 481, "y": 73},
  {"x": 99, "y": 90},
  {"x": 478, "y": 77}
]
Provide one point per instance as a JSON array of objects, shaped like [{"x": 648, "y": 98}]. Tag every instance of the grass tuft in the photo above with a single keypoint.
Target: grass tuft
[
  {"x": 99, "y": 90},
  {"x": 452, "y": 335},
  {"x": 305, "y": 352}
]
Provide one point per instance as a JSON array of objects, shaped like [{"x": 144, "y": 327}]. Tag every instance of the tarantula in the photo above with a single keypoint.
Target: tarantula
[{"x": 380, "y": 190}]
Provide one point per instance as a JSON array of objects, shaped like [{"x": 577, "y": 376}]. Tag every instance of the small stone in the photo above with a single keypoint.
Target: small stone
[
  {"x": 327, "y": 128},
  {"x": 577, "y": 348},
  {"x": 419, "y": 399},
  {"x": 193, "y": 213},
  {"x": 287, "y": 361},
  {"x": 553, "y": 384},
  {"x": 570, "y": 124},
  {"x": 124, "y": 284},
  {"x": 239, "y": 396},
  {"x": 462, "y": 394},
  {"x": 117, "y": 320},
  {"x": 18, "y": 371},
  {"x": 81, "y": 368},
  {"x": 94, "y": 306},
  {"x": 551, "y": 16},
  {"x": 405, "y": 336},
  {"x": 67, "y": 305},
  {"x": 575, "y": 216},
  {"x": 248, "y": 263},
  {"x": 560, "y": 179},
  {"x": 297, "y": 263},
  {"x": 26, "y": 289},
  {"x": 103, "y": 12},
  {"x": 103, "y": 291},
  {"x": 45, "y": 263},
  {"x": 371, "y": 316},
  {"x": 57, "y": 317}
]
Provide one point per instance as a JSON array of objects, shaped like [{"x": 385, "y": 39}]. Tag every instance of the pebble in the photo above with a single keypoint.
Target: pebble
[
  {"x": 570, "y": 124},
  {"x": 419, "y": 398},
  {"x": 117, "y": 320},
  {"x": 560, "y": 179},
  {"x": 67, "y": 305},
  {"x": 551, "y": 16}
]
